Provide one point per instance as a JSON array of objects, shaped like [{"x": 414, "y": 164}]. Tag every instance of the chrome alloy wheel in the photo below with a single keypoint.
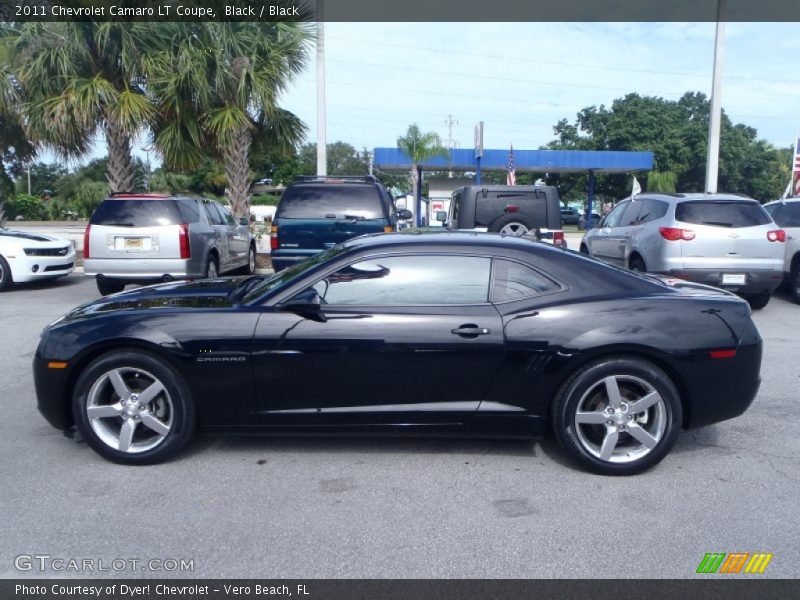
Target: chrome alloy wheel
[
  {"x": 620, "y": 419},
  {"x": 213, "y": 272},
  {"x": 514, "y": 229},
  {"x": 130, "y": 410},
  {"x": 251, "y": 258}
]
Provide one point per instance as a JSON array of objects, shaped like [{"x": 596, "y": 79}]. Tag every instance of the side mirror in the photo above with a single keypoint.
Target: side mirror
[
  {"x": 306, "y": 304},
  {"x": 441, "y": 216},
  {"x": 404, "y": 214},
  {"x": 244, "y": 221}
]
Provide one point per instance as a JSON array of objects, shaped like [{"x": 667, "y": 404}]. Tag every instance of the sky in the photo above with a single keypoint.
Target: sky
[{"x": 521, "y": 78}]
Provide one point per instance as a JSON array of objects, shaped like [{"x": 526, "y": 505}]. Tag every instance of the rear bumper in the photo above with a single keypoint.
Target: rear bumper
[
  {"x": 721, "y": 389},
  {"x": 140, "y": 269},
  {"x": 756, "y": 280}
]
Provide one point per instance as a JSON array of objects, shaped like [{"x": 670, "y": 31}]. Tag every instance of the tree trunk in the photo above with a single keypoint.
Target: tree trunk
[
  {"x": 120, "y": 165},
  {"x": 237, "y": 171}
]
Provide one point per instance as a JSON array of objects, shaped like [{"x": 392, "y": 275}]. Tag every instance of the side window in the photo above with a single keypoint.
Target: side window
[
  {"x": 227, "y": 217},
  {"x": 652, "y": 210},
  {"x": 513, "y": 281},
  {"x": 214, "y": 218},
  {"x": 789, "y": 215},
  {"x": 632, "y": 213},
  {"x": 454, "y": 205},
  {"x": 614, "y": 216},
  {"x": 408, "y": 280},
  {"x": 190, "y": 210}
]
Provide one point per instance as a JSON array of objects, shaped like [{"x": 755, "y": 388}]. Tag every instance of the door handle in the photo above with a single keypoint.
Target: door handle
[{"x": 470, "y": 331}]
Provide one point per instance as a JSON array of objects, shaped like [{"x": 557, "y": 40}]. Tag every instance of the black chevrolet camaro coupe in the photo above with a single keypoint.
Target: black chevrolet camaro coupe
[{"x": 438, "y": 333}]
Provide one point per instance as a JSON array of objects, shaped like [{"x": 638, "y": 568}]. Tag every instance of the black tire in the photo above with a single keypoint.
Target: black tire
[
  {"x": 6, "y": 279},
  {"x": 212, "y": 267},
  {"x": 250, "y": 267},
  {"x": 511, "y": 220},
  {"x": 176, "y": 397},
  {"x": 109, "y": 286},
  {"x": 584, "y": 249},
  {"x": 587, "y": 385},
  {"x": 637, "y": 264},
  {"x": 794, "y": 281},
  {"x": 758, "y": 301}
]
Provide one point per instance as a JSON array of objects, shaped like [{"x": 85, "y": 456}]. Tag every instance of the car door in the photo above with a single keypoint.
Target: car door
[
  {"x": 217, "y": 222},
  {"x": 238, "y": 240},
  {"x": 406, "y": 339},
  {"x": 619, "y": 235},
  {"x": 603, "y": 244}
]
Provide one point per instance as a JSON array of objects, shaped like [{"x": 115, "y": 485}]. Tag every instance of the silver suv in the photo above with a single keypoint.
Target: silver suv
[
  {"x": 724, "y": 240},
  {"x": 143, "y": 238},
  {"x": 786, "y": 213}
]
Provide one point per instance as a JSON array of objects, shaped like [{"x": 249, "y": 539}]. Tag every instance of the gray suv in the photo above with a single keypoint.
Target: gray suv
[
  {"x": 786, "y": 213},
  {"x": 724, "y": 240},
  {"x": 144, "y": 238}
]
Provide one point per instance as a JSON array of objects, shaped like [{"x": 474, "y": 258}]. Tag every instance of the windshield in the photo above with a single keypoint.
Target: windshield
[{"x": 291, "y": 273}]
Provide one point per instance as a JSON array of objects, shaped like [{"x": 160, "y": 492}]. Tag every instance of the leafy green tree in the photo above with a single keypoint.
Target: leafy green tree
[
  {"x": 79, "y": 78},
  {"x": 216, "y": 86},
  {"x": 419, "y": 147}
]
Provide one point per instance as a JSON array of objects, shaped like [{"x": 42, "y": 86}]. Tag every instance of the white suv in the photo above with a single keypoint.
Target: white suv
[{"x": 786, "y": 214}]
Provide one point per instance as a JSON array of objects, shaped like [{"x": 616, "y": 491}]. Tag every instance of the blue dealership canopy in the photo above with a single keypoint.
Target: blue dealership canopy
[{"x": 542, "y": 161}]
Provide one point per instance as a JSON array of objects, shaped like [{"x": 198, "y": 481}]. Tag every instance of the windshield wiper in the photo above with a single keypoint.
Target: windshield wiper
[
  {"x": 119, "y": 225},
  {"x": 355, "y": 217},
  {"x": 718, "y": 223}
]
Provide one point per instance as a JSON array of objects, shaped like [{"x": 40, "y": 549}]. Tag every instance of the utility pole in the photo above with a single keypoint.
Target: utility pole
[
  {"x": 712, "y": 159},
  {"x": 451, "y": 143},
  {"x": 29, "y": 178},
  {"x": 322, "y": 149},
  {"x": 371, "y": 162}
]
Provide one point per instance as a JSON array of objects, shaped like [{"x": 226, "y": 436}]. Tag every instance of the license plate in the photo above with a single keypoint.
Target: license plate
[
  {"x": 733, "y": 279},
  {"x": 133, "y": 243}
]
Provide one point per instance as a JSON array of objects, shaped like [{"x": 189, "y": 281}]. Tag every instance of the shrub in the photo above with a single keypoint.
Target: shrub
[{"x": 30, "y": 208}]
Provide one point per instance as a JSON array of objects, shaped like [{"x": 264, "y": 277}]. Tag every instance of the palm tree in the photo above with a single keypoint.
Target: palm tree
[
  {"x": 419, "y": 147},
  {"x": 216, "y": 86},
  {"x": 84, "y": 78}
]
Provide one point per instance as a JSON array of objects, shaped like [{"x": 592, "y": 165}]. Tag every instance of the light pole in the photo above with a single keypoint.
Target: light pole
[
  {"x": 322, "y": 149},
  {"x": 712, "y": 159},
  {"x": 147, "y": 150}
]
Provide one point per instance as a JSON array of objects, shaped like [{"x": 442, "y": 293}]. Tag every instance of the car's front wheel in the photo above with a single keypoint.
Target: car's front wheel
[
  {"x": 133, "y": 408},
  {"x": 6, "y": 280},
  {"x": 618, "y": 415}
]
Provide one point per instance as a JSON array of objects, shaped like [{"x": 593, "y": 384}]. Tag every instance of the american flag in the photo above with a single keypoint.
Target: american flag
[
  {"x": 796, "y": 168},
  {"x": 511, "y": 176}
]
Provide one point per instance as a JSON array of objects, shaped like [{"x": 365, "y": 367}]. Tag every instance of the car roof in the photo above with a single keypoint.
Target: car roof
[
  {"x": 438, "y": 239},
  {"x": 153, "y": 196},
  {"x": 789, "y": 200},
  {"x": 677, "y": 198}
]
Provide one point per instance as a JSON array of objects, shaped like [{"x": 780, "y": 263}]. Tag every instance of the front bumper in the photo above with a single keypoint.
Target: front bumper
[
  {"x": 756, "y": 280},
  {"x": 33, "y": 268},
  {"x": 50, "y": 386},
  {"x": 139, "y": 269}
]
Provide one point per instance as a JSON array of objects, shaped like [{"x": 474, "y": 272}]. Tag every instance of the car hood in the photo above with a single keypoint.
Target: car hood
[
  {"x": 207, "y": 293},
  {"x": 25, "y": 238}
]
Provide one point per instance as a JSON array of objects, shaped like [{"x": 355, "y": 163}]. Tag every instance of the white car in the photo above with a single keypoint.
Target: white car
[{"x": 32, "y": 256}]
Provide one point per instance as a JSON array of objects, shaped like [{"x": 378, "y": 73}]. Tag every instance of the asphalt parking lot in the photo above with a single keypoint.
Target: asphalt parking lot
[{"x": 314, "y": 508}]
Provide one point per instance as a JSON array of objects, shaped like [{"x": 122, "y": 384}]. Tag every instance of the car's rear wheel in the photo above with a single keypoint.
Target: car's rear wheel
[
  {"x": 637, "y": 264},
  {"x": 133, "y": 408},
  {"x": 512, "y": 224},
  {"x": 6, "y": 279},
  {"x": 109, "y": 286},
  {"x": 618, "y": 415},
  {"x": 212, "y": 268},
  {"x": 794, "y": 281},
  {"x": 584, "y": 249},
  {"x": 251, "y": 260},
  {"x": 758, "y": 301}
]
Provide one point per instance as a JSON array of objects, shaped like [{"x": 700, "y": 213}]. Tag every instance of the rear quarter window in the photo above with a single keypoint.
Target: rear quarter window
[
  {"x": 721, "y": 213},
  {"x": 513, "y": 281},
  {"x": 137, "y": 213},
  {"x": 331, "y": 201}
]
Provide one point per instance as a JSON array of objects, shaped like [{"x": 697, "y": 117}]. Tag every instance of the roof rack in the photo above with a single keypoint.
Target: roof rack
[
  {"x": 138, "y": 195},
  {"x": 363, "y": 178}
]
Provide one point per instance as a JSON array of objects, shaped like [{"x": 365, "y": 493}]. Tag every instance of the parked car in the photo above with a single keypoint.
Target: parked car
[
  {"x": 723, "y": 240},
  {"x": 145, "y": 238},
  {"x": 594, "y": 221},
  {"x": 509, "y": 209},
  {"x": 315, "y": 213},
  {"x": 423, "y": 333},
  {"x": 570, "y": 216},
  {"x": 32, "y": 256},
  {"x": 786, "y": 213}
]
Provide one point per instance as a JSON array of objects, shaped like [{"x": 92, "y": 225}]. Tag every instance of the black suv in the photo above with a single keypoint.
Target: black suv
[
  {"x": 316, "y": 213},
  {"x": 511, "y": 209}
]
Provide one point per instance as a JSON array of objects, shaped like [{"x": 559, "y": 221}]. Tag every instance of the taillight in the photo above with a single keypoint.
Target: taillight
[
  {"x": 273, "y": 238},
  {"x": 722, "y": 353},
  {"x": 388, "y": 229},
  {"x": 183, "y": 241},
  {"x": 776, "y": 235},
  {"x": 86, "y": 233},
  {"x": 558, "y": 238},
  {"x": 512, "y": 208},
  {"x": 674, "y": 234}
]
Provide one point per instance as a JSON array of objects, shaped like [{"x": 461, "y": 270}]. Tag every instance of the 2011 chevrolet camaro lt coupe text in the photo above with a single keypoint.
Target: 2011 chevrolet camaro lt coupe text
[{"x": 439, "y": 333}]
